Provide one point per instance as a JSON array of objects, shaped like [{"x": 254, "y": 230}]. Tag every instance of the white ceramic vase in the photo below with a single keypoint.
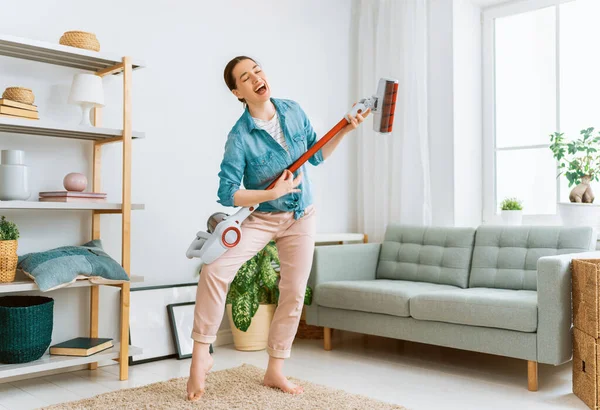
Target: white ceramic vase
[
  {"x": 14, "y": 183},
  {"x": 512, "y": 217},
  {"x": 579, "y": 214}
]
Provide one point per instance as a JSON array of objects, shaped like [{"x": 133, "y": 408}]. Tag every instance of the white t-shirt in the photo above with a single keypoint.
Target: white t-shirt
[{"x": 273, "y": 127}]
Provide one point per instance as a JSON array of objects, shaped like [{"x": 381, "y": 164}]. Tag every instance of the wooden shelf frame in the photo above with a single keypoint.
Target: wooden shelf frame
[{"x": 102, "y": 65}]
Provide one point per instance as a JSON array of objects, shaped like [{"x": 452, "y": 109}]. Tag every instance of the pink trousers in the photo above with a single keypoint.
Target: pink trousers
[{"x": 295, "y": 245}]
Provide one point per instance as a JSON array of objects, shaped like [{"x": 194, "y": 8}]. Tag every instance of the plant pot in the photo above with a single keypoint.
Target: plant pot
[
  {"x": 255, "y": 338},
  {"x": 512, "y": 217},
  {"x": 8, "y": 261},
  {"x": 579, "y": 214}
]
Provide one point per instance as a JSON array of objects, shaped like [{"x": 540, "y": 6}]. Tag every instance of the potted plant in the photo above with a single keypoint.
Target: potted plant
[
  {"x": 512, "y": 211},
  {"x": 252, "y": 299},
  {"x": 9, "y": 233},
  {"x": 579, "y": 161}
]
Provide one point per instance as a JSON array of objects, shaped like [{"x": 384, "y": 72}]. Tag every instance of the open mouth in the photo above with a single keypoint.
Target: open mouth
[{"x": 261, "y": 89}]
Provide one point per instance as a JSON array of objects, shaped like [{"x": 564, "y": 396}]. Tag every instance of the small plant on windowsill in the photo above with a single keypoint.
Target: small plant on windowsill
[
  {"x": 512, "y": 211},
  {"x": 579, "y": 161},
  {"x": 9, "y": 233}
]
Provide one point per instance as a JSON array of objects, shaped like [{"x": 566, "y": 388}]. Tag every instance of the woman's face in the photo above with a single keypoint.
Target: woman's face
[{"x": 251, "y": 82}]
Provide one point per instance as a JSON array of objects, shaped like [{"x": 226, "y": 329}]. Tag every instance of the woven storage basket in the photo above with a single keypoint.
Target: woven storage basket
[
  {"x": 586, "y": 296},
  {"x": 8, "y": 261},
  {"x": 26, "y": 330},
  {"x": 306, "y": 331},
  {"x": 19, "y": 94},
  {"x": 80, "y": 39}
]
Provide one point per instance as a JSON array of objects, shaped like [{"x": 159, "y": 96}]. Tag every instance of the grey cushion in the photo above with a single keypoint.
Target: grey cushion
[
  {"x": 390, "y": 297},
  {"x": 498, "y": 308},
  {"x": 505, "y": 257},
  {"x": 426, "y": 254}
]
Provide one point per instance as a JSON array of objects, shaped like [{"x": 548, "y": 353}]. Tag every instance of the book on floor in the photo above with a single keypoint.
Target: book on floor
[
  {"x": 81, "y": 346},
  {"x": 18, "y": 112}
]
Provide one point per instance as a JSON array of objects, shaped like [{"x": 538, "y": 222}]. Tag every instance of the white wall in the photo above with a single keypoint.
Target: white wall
[
  {"x": 467, "y": 114},
  {"x": 180, "y": 100},
  {"x": 455, "y": 112},
  {"x": 441, "y": 112}
]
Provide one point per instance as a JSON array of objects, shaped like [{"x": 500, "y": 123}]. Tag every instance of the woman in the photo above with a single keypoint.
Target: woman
[{"x": 269, "y": 136}]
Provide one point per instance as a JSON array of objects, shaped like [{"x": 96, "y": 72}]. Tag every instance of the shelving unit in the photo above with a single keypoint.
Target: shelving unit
[{"x": 101, "y": 64}]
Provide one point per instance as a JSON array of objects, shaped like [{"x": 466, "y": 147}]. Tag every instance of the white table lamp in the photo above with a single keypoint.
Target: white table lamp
[{"x": 87, "y": 91}]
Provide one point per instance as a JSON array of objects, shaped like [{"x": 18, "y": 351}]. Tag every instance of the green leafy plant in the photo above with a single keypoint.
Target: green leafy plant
[
  {"x": 511, "y": 204},
  {"x": 8, "y": 230},
  {"x": 257, "y": 282},
  {"x": 577, "y": 158}
]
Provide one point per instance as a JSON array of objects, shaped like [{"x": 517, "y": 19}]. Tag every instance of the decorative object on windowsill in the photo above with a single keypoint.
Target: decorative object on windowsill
[
  {"x": 86, "y": 91},
  {"x": 14, "y": 183},
  {"x": 19, "y": 94},
  {"x": 9, "y": 235},
  {"x": 252, "y": 299},
  {"x": 26, "y": 330},
  {"x": 59, "y": 267},
  {"x": 511, "y": 210},
  {"x": 80, "y": 39},
  {"x": 579, "y": 161}
]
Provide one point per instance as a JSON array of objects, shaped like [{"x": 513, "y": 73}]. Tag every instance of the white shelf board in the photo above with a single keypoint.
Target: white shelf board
[
  {"x": 339, "y": 237},
  {"x": 52, "y": 129},
  {"x": 91, "y": 206},
  {"x": 28, "y": 284},
  {"x": 57, "y": 54},
  {"x": 51, "y": 362}
]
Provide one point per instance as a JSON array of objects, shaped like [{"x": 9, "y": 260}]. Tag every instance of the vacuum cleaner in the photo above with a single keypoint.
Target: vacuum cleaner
[{"x": 224, "y": 231}]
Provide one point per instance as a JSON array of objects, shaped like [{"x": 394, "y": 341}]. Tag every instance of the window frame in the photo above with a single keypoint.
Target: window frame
[{"x": 490, "y": 200}]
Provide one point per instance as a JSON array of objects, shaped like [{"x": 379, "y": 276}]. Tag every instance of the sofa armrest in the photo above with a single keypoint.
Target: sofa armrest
[
  {"x": 554, "y": 337},
  {"x": 340, "y": 262}
]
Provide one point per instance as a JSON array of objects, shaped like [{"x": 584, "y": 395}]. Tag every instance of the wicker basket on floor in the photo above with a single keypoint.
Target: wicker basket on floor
[
  {"x": 26, "y": 330},
  {"x": 8, "y": 261},
  {"x": 80, "y": 39},
  {"x": 306, "y": 331}
]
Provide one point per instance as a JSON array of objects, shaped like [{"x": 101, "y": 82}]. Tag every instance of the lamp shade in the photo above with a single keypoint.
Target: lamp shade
[{"x": 87, "y": 88}]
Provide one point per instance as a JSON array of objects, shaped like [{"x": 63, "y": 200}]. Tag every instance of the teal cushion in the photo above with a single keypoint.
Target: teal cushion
[
  {"x": 59, "y": 267},
  {"x": 505, "y": 257},
  {"x": 498, "y": 308},
  {"x": 389, "y": 297},
  {"x": 427, "y": 254}
]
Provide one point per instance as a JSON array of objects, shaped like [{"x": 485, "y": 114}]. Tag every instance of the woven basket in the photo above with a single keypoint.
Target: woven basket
[
  {"x": 19, "y": 94},
  {"x": 306, "y": 331},
  {"x": 80, "y": 39},
  {"x": 26, "y": 330},
  {"x": 8, "y": 261}
]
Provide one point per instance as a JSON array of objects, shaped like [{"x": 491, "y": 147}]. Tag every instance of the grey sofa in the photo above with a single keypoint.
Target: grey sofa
[{"x": 495, "y": 289}]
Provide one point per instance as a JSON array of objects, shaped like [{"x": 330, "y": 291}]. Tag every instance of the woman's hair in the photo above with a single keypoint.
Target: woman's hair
[{"x": 228, "y": 73}]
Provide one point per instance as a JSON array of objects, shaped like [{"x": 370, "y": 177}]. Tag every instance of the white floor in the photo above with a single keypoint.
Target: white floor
[{"x": 416, "y": 376}]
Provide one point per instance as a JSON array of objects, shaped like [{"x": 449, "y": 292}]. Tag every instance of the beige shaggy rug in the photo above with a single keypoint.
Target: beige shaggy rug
[{"x": 237, "y": 388}]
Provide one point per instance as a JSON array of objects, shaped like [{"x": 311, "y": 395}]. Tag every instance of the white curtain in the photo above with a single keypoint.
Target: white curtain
[{"x": 393, "y": 170}]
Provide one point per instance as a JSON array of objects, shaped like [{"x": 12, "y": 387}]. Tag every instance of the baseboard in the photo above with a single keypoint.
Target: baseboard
[{"x": 224, "y": 337}]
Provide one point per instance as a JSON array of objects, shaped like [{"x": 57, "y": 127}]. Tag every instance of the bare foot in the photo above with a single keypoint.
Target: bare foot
[
  {"x": 197, "y": 380},
  {"x": 281, "y": 382}
]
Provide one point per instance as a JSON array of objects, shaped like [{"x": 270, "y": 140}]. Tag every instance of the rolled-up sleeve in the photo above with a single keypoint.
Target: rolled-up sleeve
[
  {"x": 232, "y": 171},
  {"x": 311, "y": 139}
]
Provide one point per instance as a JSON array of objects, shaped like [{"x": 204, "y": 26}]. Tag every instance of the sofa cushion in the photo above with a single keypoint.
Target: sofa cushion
[
  {"x": 505, "y": 257},
  {"x": 499, "y": 308},
  {"x": 389, "y": 297},
  {"x": 426, "y": 254}
]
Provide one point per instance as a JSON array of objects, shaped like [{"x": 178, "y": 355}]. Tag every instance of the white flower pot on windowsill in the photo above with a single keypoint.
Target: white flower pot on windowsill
[
  {"x": 579, "y": 214},
  {"x": 514, "y": 217}
]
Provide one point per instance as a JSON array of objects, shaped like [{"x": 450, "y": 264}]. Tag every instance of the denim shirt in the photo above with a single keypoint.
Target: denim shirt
[{"x": 254, "y": 157}]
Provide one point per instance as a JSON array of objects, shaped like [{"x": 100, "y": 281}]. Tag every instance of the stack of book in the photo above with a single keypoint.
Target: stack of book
[
  {"x": 81, "y": 346},
  {"x": 72, "y": 196},
  {"x": 14, "y": 109}
]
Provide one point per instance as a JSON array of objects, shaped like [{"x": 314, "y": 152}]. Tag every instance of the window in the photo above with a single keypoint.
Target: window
[{"x": 540, "y": 58}]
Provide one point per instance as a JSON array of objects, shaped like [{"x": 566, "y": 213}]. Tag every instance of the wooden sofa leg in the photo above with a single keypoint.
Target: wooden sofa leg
[
  {"x": 532, "y": 375},
  {"x": 327, "y": 338}
]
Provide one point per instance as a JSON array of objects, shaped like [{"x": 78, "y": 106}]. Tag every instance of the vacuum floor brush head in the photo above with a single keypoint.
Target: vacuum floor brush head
[{"x": 383, "y": 118}]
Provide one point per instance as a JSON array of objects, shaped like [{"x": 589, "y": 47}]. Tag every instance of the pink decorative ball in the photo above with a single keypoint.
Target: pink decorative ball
[{"x": 75, "y": 182}]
